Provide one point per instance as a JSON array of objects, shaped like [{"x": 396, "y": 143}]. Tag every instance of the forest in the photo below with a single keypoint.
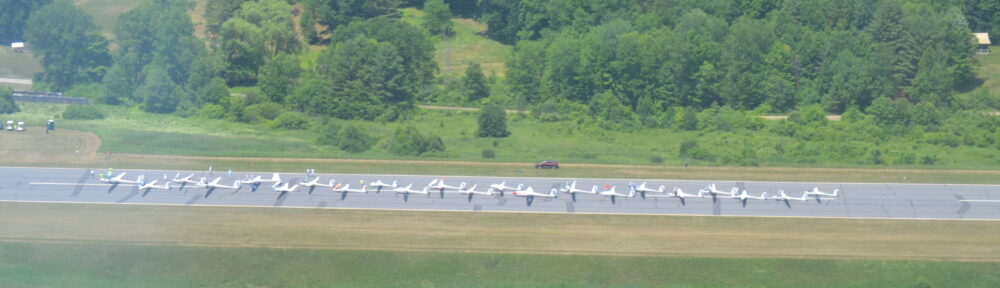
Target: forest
[{"x": 897, "y": 71}]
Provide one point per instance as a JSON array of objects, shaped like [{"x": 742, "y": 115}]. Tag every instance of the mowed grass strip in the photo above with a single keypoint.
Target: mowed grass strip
[
  {"x": 117, "y": 265},
  {"x": 36, "y": 149},
  {"x": 425, "y": 231}
]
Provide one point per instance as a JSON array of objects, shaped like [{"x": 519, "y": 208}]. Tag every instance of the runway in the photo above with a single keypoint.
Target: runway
[{"x": 887, "y": 201}]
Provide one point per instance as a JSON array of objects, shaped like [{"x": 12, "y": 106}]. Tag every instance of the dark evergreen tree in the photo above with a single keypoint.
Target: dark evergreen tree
[
  {"x": 475, "y": 83},
  {"x": 492, "y": 122}
]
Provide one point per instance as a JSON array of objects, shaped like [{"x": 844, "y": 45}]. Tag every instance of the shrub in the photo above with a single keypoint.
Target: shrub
[
  {"x": 268, "y": 110},
  {"x": 409, "y": 141},
  {"x": 212, "y": 111},
  {"x": 656, "y": 159},
  {"x": 488, "y": 154},
  {"x": 7, "y": 104},
  {"x": 291, "y": 120},
  {"x": 82, "y": 112},
  {"x": 492, "y": 122},
  {"x": 354, "y": 140},
  {"x": 329, "y": 135},
  {"x": 686, "y": 147}
]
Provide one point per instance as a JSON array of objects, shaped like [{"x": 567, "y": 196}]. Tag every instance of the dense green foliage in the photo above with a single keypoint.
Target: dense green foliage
[
  {"x": 492, "y": 122},
  {"x": 13, "y": 17},
  {"x": 279, "y": 76},
  {"x": 691, "y": 57},
  {"x": 334, "y": 13},
  {"x": 82, "y": 112},
  {"x": 408, "y": 141},
  {"x": 437, "y": 19},
  {"x": 7, "y": 104},
  {"x": 475, "y": 83},
  {"x": 258, "y": 31},
  {"x": 72, "y": 49}
]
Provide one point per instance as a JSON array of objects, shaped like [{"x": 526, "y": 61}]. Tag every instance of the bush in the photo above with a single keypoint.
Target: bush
[
  {"x": 354, "y": 140},
  {"x": 492, "y": 122},
  {"x": 686, "y": 147},
  {"x": 7, "y": 104},
  {"x": 488, "y": 154},
  {"x": 656, "y": 159},
  {"x": 268, "y": 110},
  {"x": 409, "y": 141},
  {"x": 329, "y": 135},
  {"x": 212, "y": 111},
  {"x": 291, "y": 120},
  {"x": 82, "y": 112}
]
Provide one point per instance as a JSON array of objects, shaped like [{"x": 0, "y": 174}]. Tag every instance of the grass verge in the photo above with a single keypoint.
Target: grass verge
[{"x": 58, "y": 245}]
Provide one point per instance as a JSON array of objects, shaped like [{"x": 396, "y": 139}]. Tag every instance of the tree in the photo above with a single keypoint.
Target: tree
[
  {"x": 158, "y": 91},
  {"x": 437, "y": 19},
  {"x": 214, "y": 92},
  {"x": 278, "y": 77},
  {"x": 72, "y": 48},
  {"x": 7, "y": 105},
  {"x": 409, "y": 141},
  {"x": 334, "y": 13},
  {"x": 258, "y": 31},
  {"x": 934, "y": 83},
  {"x": 475, "y": 83},
  {"x": 217, "y": 12},
  {"x": 492, "y": 122},
  {"x": 363, "y": 79},
  {"x": 894, "y": 39},
  {"x": 14, "y": 16},
  {"x": 354, "y": 140}
]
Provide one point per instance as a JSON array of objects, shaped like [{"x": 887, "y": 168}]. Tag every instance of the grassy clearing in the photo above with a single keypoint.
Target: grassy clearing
[
  {"x": 191, "y": 143},
  {"x": 18, "y": 65},
  {"x": 55, "y": 245},
  {"x": 467, "y": 45},
  {"x": 521, "y": 233},
  {"x": 105, "y": 12},
  {"x": 105, "y": 265}
]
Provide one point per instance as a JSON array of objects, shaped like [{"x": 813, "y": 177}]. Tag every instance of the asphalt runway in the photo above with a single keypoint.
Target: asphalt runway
[{"x": 896, "y": 201}]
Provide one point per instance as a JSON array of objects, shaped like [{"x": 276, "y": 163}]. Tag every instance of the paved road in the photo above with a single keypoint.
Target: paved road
[
  {"x": 901, "y": 201},
  {"x": 15, "y": 81}
]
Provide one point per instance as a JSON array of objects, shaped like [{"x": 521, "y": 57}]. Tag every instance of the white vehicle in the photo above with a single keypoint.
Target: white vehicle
[
  {"x": 572, "y": 190},
  {"x": 406, "y": 191},
  {"x": 816, "y": 192},
  {"x": 784, "y": 197},
  {"x": 347, "y": 189},
  {"x": 611, "y": 193},
  {"x": 471, "y": 191},
  {"x": 378, "y": 184},
  {"x": 10, "y": 125},
  {"x": 743, "y": 197},
  {"x": 530, "y": 193},
  {"x": 438, "y": 184},
  {"x": 152, "y": 185},
  {"x": 20, "y": 126},
  {"x": 285, "y": 189},
  {"x": 642, "y": 189},
  {"x": 501, "y": 187}
]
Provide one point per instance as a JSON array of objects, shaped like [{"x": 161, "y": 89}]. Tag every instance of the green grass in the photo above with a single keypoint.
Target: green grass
[
  {"x": 106, "y": 265},
  {"x": 18, "y": 65},
  {"x": 466, "y": 45},
  {"x": 105, "y": 12},
  {"x": 531, "y": 140},
  {"x": 87, "y": 245}
]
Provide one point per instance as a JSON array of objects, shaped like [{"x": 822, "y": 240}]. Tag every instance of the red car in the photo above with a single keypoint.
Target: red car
[{"x": 547, "y": 164}]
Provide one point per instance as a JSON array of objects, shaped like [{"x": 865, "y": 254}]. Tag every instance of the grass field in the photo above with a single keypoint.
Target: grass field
[
  {"x": 466, "y": 45},
  {"x": 157, "y": 246}
]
